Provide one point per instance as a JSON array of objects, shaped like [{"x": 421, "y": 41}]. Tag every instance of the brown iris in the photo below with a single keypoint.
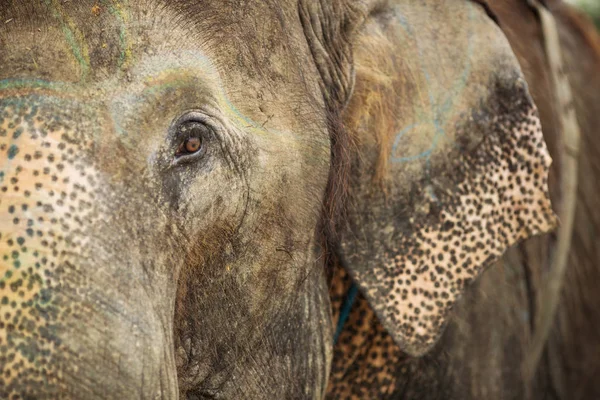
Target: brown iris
[
  {"x": 192, "y": 137},
  {"x": 190, "y": 146},
  {"x": 193, "y": 144}
]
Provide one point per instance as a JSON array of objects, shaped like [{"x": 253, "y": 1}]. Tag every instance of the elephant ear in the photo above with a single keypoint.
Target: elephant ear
[{"x": 450, "y": 168}]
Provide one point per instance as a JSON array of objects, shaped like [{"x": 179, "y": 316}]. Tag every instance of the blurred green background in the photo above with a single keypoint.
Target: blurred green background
[{"x": 592, "y": 7}]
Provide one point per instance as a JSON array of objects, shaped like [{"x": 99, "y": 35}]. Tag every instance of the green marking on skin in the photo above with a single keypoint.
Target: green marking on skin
[
  {"x": 154, "y": 82},
  {"x": 12, "y": 151},
  {"x": 222, "y": 99},
  {"x": 7, "y": 84},
  {"x": 251, "y": 123},
  {"x": 71, "y": 35},
  {"x": 194, "y": 60},
  {"x": 119, "y": 10}
]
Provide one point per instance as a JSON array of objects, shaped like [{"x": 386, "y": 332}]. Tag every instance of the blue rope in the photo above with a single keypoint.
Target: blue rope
[{"x": 345, "y": 311}]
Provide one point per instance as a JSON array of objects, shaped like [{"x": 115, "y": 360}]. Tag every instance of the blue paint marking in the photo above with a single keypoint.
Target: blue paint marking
[
  {"x": 439, "y": 110},
  {"x": 345, "y": 311},
  {"x": 12, "y": 151}
]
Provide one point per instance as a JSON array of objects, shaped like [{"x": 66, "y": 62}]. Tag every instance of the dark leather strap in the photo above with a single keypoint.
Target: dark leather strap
[{"x": 570, "y": 135}]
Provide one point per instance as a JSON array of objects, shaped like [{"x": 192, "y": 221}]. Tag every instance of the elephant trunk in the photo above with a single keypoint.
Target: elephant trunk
[{"x": 79, "y": 317}]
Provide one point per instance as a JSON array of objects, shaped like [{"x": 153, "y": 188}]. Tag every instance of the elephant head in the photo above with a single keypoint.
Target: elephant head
[{"x": 173, "y": 173}]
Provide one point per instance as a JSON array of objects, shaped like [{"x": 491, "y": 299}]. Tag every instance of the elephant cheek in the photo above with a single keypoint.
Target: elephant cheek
[{"x": 67, "y": 326}]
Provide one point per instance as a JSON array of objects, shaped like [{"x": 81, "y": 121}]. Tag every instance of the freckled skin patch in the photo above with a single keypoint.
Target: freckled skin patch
[
  {"x": 497, "y": 204},
  {"x": 367, "y": 362},
  {"x": 490, "y": 201},
  {"x": 45, "y": 206}
]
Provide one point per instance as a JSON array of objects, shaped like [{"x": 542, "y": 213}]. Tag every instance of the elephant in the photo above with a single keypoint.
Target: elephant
[{"x": 193, "y": 191}]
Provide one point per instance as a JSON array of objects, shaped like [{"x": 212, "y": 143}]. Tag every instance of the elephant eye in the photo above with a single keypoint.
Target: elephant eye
[{"x": 191, "y": 138}]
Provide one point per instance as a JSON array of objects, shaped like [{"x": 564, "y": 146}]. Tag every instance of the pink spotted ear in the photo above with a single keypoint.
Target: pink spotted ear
[{"x": 439, "y": 192}]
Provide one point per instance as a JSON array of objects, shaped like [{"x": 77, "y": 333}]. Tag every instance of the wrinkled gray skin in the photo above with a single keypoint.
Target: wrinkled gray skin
[
  {"x": 122, "y": 223},
  {"x": 132, "y": 269}
]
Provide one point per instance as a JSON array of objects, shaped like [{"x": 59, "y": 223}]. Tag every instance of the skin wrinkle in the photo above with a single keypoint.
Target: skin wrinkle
[
  {"x": 113, "y": 88},
  {"x": 152, "y": 81}
]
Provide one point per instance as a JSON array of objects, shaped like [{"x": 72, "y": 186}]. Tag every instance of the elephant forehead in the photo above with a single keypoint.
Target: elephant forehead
[
  {"x": 61, "y": 41},
  {"x": 87, "y": 42}
]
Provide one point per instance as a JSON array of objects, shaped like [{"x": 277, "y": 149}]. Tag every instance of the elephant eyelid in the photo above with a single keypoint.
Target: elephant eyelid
[{"x": 190, "y": 135}]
